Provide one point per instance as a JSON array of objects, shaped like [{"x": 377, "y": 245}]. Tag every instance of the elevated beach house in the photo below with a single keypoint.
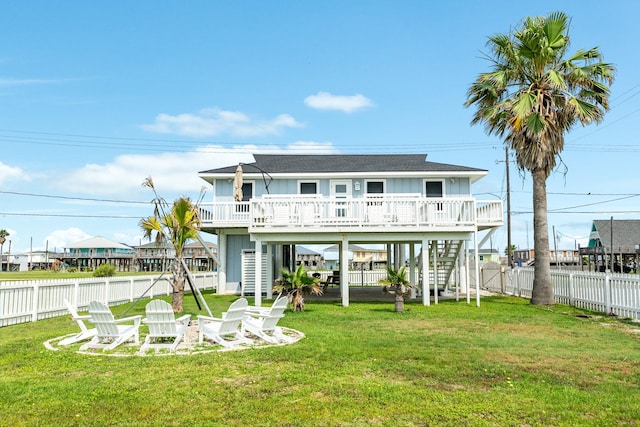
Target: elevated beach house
[{"x": 424, "y": 211}]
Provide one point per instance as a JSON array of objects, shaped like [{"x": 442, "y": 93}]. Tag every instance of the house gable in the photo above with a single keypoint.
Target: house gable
[{"x": 625, "y": 234}]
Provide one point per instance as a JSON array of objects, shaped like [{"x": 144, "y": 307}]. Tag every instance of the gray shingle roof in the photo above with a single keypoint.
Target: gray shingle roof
[
  {"x": 98, "y": 243},
  {"x": 301, "y": 250},
  {"x": 626, "y": 234},
  {"x": 348, "y": 163}
]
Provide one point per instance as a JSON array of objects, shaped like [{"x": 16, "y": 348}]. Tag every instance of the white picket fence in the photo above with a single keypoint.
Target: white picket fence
[
  {"x": 29, "y": 301},
  {"x": 603, "y": 292},
  {"x": 33, "y": 300},
  {"x": 357, "y": 277}
]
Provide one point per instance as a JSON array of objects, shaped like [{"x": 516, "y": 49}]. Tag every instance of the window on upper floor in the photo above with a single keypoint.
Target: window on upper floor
[
  {"x": 374, "y": 187},
  {"x": 308, "y": 187},
  {"x": 247, "y": 191},
  {"x": 433, "y": 188}
]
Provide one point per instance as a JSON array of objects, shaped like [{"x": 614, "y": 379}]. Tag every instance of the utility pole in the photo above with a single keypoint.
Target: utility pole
[{"x": 509, "y": 255}]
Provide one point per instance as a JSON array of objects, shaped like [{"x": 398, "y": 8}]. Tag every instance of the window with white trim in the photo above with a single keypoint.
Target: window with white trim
[{"x": 309, "y": 187}]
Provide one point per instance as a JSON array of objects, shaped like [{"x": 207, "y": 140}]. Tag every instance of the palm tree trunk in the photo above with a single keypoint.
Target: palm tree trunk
[
  {"x": 177, "y": 299},
  {"x": 542, "y": 292},
  {"x": 399, "y": 307},
  {"x": 298, "y": 301}
]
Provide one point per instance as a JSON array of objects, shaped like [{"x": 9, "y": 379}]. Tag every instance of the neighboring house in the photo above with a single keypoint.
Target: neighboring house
[
  {"x": 613, "y": 244},
  {"x": 158, "y": 256},
  {"x": 331, "y": 257},
  {"x": 154, "y": 256},
  {"x": 359, "y": 258},
  {"x": 368, "y": 258},
  {"x": 90, "y": 253},
  {"x": 487, "y": 255},
  {"x": 95, "y": 251},
  {"x": 400, "y": 199},
  {"x": 527, "y": 257},
  {"x": 311, "y": 260},
  {"x": 198, "y": 258},
  {"x": 35, "y": 260}
]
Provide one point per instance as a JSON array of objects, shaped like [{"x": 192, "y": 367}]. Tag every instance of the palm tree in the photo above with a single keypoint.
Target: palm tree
[
  {"x": 397, "y": 279},
  {"x": 532, "y": 96},
  {"x": 177, "y": 226},
  {"x": 297, "y": 284},
  {"x": 3, "y": 238}
]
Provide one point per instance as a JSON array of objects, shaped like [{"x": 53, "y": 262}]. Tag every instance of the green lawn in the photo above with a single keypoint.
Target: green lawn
[{"x": 506, "y": 363}]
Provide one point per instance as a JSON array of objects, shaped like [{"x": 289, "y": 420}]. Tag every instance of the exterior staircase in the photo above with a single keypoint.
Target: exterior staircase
[{"x": 447, "y": 255}]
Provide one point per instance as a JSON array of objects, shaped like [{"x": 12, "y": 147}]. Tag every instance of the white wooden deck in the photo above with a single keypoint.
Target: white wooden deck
[{"x": 298, "y": 213}]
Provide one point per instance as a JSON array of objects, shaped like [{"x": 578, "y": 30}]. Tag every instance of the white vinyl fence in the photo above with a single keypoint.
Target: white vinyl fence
[
  {"x": 609, "y": 293},
  {"x": 29, "y": 301},
  {"x": 358, "y": 277}
]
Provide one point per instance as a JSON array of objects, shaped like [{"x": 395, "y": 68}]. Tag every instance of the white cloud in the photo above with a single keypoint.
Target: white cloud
[
  {"x": 214, "y": 122},
  {"x": 347, "y": 104},
  {"x": 60, "y": 239},
  {"x": 171, "y": 172},
  {"x": 312, "y": 147},
  {"x": 176, "y": 172},
  {"x": 9, "y": 173}
]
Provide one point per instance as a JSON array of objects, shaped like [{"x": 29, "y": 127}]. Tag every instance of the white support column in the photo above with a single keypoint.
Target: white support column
[
  {"x": 435, "y": 272},
  {"x": 222, "y": 267},
  {"x": 270, "y": 279},
  {"x": 458, "y": 272},
  {"x": 466, "y": 267},
  {"x": 344, "y": 271},
  {"x": 412, "y": 270},
  {"x": 258, "y": 273},
  {"x": 477, "y": 266},
  {"x": 424, "y": 254}
]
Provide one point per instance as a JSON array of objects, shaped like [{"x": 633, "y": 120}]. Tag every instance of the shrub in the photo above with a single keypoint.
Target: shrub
[{"x": 105, "y": 270}]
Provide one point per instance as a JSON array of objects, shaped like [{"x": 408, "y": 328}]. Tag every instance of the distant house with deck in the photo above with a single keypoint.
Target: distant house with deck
[
  {"x": 90, "y": 253},
  {"x": 261, "y": 210},
  {"x": 614, "y": 244}
]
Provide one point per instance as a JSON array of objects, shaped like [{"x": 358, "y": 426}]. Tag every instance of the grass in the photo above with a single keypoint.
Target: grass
[{"x": 506, "y": 363}]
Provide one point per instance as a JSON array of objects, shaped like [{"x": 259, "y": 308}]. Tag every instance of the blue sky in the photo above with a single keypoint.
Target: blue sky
[{"x": 97, "y": 96}]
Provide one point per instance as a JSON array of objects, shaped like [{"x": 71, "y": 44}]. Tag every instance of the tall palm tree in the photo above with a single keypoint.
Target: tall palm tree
[
  {"x": 178, "y": 225},
  {"x": 532, "y": 96}
]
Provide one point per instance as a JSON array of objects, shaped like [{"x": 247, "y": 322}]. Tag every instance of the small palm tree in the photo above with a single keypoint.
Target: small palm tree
[
  {"x": 178, "y": 225},
  {"x": 297, "y": 284},
  {"x": 397, "y": 279}
]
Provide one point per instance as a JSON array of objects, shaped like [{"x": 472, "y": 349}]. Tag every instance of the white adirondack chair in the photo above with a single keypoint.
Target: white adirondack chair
[
  {"x": 109, "y": 331},
  {"x": 225, "y": 330},
  {"x": 85, "y": 332},
  {"x": 263, "y": 323},
  {"x": 163, "y": 325}
]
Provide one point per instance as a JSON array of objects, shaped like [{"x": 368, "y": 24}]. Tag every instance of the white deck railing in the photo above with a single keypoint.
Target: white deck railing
[{"x": 284, "y": 212}]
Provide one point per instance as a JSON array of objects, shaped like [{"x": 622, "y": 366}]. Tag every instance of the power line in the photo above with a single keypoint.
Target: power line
[
  {"x": 581, "y": 212},
  {"x": 69, "y": 215},
  {"x": 593, "y": 204},
  {"x": 73, "y": 198}
]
